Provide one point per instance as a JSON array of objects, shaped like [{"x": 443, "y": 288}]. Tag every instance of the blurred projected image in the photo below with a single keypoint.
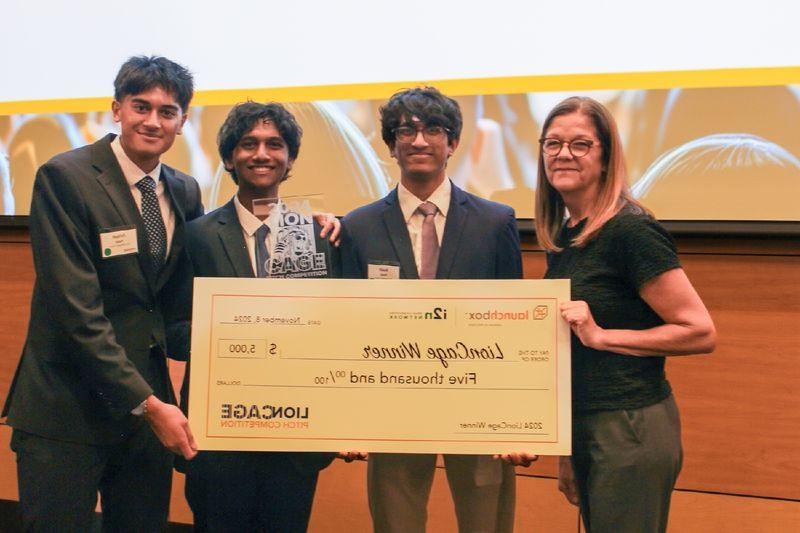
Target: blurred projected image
[{"x": 694, "y": 154}]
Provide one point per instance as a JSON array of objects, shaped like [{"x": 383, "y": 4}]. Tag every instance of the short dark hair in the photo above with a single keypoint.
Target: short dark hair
[
  {"x": 243, "y": 118},
  {"x": 142, "y": 73},
  {"x": 427, "y": 104}
]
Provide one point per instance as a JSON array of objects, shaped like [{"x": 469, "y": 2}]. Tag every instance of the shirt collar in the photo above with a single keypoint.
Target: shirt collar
[
  {"x": 249, "y": 222},
  {"x": 133, "y": 174},
  {"x": 409, "y": 203}
]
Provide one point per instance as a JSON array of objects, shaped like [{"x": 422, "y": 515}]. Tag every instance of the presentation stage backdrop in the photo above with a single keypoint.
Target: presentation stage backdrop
[{"x": 706, "y": 94}]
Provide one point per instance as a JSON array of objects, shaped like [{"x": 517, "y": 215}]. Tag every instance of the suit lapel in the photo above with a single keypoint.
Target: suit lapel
[
  {"x": 176, "y": 192},
  {"x": 398, "y": 234},
  {"x": 453, "y": 229},
  {"x": 230, "y": 234},
  {"x": 119, "y": 192}
]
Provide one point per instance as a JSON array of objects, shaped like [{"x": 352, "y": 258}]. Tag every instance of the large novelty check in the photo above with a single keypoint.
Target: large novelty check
[{"x": 439, "y": 366}]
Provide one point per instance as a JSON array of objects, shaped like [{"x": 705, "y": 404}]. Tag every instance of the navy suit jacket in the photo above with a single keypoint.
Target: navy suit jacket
[
  {"x": 217, "y": 249},
  {"x": 96, "y": 337},
  {"x": 480, "y": 239}
]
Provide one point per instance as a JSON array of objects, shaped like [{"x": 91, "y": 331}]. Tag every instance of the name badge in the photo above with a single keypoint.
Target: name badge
[
  {"x": 383, "y": 271},
  {"x": 118, "y": 241}
]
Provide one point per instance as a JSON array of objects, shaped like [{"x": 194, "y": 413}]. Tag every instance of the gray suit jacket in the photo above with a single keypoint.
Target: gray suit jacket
[{"x": 96, "y": 338}]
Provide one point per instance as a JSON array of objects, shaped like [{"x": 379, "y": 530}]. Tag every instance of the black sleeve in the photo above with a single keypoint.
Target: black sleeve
[
  {"x": 179, "y": 308},
  {"x": 508, "y": 260},
  {"x": 178, "y": 326},
  {"x": 335, "y": 269},
  {"x": 194, "y": 202},
  {"x": 645, "y": 249},
  {"x": 350, "y": 266}
]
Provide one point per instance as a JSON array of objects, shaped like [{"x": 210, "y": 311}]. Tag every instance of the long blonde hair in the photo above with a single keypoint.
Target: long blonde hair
[{"x": 613, "y": 194}]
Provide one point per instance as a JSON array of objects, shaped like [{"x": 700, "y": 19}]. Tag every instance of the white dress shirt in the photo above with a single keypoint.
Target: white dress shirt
[
  {"x": 408, "y": 205},
  {"x": 133, "y": 175},
  {"x": 250, "y": 224}
]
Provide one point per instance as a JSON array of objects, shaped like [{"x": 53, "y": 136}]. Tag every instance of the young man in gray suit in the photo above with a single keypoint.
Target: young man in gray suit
[
  {"x": 91, "y": 398},
  {"x": 258, "y": 144},
  {"x": 428, "y": 228}
]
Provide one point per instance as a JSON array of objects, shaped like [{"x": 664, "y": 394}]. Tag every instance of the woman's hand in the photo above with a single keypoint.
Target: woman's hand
[
  {"x": 566, "y": 480},
  {"x": 580, "y": 319}
]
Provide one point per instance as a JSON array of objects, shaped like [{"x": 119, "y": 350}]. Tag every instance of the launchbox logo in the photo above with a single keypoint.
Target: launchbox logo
[{"x": 540, "y": 312}]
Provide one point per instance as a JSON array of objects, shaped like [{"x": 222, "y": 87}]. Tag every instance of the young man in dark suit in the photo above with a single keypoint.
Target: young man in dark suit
[
  {"x": 91, "y": 398},
  {"x": 258, "y": 144},
  {"x": 428, "y": 228}
]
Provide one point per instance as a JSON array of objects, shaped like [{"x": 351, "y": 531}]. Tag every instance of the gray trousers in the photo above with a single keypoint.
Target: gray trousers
[
  {"x": 626, "y": 463},
  {"x": 399, "y": 484}
]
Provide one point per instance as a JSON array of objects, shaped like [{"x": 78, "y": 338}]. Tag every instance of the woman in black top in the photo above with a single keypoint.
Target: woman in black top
[{"x": 632, "y": 305}]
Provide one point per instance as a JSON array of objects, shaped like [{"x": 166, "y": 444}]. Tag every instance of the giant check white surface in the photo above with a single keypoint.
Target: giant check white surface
[{"x": 444, "y": 366}]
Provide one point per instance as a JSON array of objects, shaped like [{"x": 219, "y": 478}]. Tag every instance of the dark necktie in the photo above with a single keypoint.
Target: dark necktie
[
  {"x": 430, "y": 242},
  {"x": 153, "y": 223},
  {"x": 262, "y": 252}
]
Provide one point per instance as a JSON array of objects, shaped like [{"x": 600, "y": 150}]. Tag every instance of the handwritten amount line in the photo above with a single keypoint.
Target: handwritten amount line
[{"x": 395, "y": 388}]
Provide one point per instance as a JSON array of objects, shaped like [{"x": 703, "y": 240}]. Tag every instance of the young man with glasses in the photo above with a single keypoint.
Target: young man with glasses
[{"x": 428, "y": 228}]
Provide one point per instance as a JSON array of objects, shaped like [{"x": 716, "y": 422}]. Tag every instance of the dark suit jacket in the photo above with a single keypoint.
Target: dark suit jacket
[
  {"x": 217, "y": 249},
  {"x": 480, "y": 239},
  {"x": 96, "y": 338}
]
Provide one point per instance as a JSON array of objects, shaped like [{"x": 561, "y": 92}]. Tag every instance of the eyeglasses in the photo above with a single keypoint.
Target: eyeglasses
[
  {"x": 407, "y": 134},
  {"x": 577, "y": 147}
]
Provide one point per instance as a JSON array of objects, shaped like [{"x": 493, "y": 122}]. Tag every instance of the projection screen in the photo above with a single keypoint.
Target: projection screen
[{"x": 706, "y": 94}]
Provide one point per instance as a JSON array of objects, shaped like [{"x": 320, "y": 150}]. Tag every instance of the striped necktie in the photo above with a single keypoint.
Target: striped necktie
[{"x": 429, "y": 259}]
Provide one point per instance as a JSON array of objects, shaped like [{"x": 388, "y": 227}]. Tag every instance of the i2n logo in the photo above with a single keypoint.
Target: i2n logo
[{"x": 438, "y": 313}]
